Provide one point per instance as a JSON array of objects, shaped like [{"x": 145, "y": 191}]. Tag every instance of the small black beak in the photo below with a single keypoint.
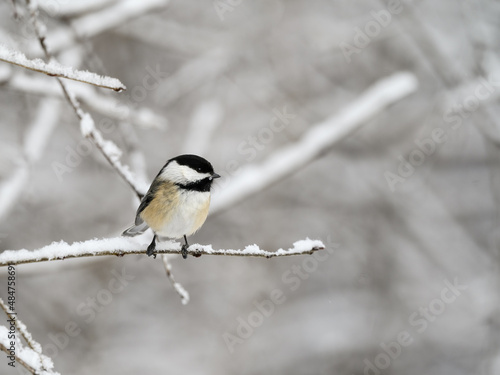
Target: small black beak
[{"x": 215, "y": 175}]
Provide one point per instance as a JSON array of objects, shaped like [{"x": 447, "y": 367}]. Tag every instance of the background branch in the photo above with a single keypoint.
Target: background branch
[
  {"x": 95, "y": 23},
  {"x": 35, "y": 142},
  {"x": 315, "y": 141},
  {"x": 93, "y": 99}
]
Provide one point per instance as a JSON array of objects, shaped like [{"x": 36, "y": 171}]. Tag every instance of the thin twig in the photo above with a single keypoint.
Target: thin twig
[{"x": 183, "y": 293}]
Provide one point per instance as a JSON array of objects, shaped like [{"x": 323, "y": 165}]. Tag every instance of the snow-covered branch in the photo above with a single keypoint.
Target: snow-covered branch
[
  {"x": 315, "y": 141},
  {"x": 54, "y": 69},
  {"x": 120, "y": 246}
]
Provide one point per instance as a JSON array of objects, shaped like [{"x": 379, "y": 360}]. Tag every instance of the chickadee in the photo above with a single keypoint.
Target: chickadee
[{"x": 176, "y": 204}]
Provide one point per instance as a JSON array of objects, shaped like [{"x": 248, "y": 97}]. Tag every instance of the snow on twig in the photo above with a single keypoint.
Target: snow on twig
[
  {"x": 54, "y": 69},
  {"x": 35, "y": 141},
  {"x": 95, "y": 23},
  {"x": 120, "y": 246},
  {"x": 315, "y": 141}
]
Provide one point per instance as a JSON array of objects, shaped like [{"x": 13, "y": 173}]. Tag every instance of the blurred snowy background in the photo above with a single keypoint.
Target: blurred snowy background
[{"x": 408, "y": 204}]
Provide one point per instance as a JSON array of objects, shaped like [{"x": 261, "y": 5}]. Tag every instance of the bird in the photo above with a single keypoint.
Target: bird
[{"x": 177, "y": 202}]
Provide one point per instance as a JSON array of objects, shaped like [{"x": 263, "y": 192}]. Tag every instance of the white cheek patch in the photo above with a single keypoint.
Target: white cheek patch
[
  {"x": 191, "y": 175},
  {"x": 181, "y": 174}
]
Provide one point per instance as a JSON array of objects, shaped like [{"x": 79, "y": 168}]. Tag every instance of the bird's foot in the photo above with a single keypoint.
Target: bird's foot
[
  {"x": 151, "y": 250},
  {"x": 184, "y": 251}
]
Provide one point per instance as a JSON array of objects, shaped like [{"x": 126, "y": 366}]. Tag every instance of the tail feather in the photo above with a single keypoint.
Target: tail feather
[{"x": 135, "y": 230}]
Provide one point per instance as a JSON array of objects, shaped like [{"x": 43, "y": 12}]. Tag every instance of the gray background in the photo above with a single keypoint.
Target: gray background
[{"x": 395, "y": 249}]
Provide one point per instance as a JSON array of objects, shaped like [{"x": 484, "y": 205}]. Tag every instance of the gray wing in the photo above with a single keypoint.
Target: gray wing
[
  {"x": 140, "y": 226},
  {"x": 146, "y": 201}
]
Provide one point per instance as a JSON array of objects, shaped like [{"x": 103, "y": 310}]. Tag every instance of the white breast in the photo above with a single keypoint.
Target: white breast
[{"x": 189, "y": 216}]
